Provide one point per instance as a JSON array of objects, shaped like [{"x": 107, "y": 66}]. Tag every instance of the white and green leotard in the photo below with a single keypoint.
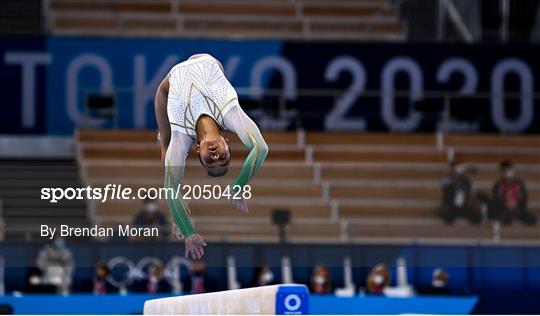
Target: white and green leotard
[{"x": 199, "y": 87}]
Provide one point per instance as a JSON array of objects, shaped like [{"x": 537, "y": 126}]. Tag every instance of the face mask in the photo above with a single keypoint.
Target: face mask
[
  {"x": 378, "y": 279},
  {"x": 34, "y": 280},
  {"x": 319, "y": 280},
  {"x": 151, "y": 207},
  {"x": 60, "y": 243},
  {"x": 510, "y": 173},
  {"x": 267, "y": 277},
  {"x": 460, "y": 169},
  {"x": 438, "y": 283}
]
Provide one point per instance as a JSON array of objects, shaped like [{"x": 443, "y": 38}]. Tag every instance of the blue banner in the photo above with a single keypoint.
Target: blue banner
[
  {"x": 132, "y": 69},
  {"x": 133, "y": 304},
  {"x": 22, "y": 78},
  {"x": 327, "y": 86}
]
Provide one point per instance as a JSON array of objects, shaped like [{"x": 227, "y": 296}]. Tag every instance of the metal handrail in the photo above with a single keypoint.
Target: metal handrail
[
  {"x": 281, "y": 92},
  {"x": 2, "y": 224}
]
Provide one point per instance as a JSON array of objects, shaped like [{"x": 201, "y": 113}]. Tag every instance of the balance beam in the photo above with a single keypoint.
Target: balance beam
[{"x": 272, "y": 299}]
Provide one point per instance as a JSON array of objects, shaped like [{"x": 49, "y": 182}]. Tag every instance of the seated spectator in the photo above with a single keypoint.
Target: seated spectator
[
  {"x": 56, "y": 262},
  {"x": 154, "y": 282},
  {"x": 100, "y": 283},
  {"x": 321, "y": 280},
  {"x": 34, "y": 282},
  {"x": 152, "y": 216},
  {"x": 199, "y": 282},
  {"x": 262, "y": 276},
  {"x": 457, "y": 195},
  {"x": 439, "y": 284},
  {"x": 378, "y": 279},
  {"x": 510, "y": 197}
]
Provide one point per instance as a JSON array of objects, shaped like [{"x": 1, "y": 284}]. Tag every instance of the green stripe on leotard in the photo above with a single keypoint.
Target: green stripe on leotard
[
  {"x": 253, "y": 162},
  {"x": 179, "y": 211}
]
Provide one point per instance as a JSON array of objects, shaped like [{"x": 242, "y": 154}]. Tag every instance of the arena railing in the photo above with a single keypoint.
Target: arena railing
[
  {"x": 278, "y": 101},
  {"x": 2, "y": 224},
  {"x": 468, "y": 21}
]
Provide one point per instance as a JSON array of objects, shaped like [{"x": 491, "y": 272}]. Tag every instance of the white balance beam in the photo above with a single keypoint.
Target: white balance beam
[{"x": 290, "y": 299}]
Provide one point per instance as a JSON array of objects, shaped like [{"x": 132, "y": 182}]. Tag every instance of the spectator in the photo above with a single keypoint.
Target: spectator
[
  {"x": 457, "y": 195},
  {"x": 321, "y": 280},
  {"x": 100, "y": 283},
  {"x": 155, "y": 282},
  {"x": 378, "y": 279},
  {"x": 151, "y": 215},
  {"x": 34, "y": 282},
  {"x": 262, "y": 276},
  {"x": 199, "y": 281},
  {"x": 439, "y": 283},
  {"x": 510, "y": 197},
  {"x": 56, "y": 262}
]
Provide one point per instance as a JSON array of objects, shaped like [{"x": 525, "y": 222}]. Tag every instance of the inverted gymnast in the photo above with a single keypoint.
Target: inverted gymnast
[{"x": 196, "y": 102}]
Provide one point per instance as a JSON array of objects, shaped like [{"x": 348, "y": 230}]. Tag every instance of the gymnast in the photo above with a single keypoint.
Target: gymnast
[{"x": 196, "y": 102}]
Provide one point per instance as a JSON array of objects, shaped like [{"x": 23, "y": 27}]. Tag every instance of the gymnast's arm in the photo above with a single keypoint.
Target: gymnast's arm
[
  {"x": 160, "y": 105},
  {"x": 175, "y": 158},
  {"x": 174, "y": 163},
  {"x": 175, "y": 148},
  {"x": 237, "y": 121}
]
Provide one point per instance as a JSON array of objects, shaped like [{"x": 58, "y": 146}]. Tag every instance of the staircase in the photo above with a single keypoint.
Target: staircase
[{"x": 20, "y": 191}]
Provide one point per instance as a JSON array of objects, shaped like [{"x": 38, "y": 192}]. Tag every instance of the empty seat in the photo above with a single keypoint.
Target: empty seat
[
  {"x": 356, "y": 186},
  {"x": 371, "y": 20}
]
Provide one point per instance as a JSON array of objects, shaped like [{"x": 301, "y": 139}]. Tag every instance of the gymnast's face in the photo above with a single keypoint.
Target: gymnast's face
[{"x": 214, "y": 155}]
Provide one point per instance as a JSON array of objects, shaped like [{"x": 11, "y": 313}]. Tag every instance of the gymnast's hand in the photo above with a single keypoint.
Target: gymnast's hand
[
  {"x": 194, "y": 246},
  {"x": 240, "y": 204}
]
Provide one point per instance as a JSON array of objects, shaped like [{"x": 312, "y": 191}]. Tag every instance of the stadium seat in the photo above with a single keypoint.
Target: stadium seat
[{"x": 349, "y": 180}]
